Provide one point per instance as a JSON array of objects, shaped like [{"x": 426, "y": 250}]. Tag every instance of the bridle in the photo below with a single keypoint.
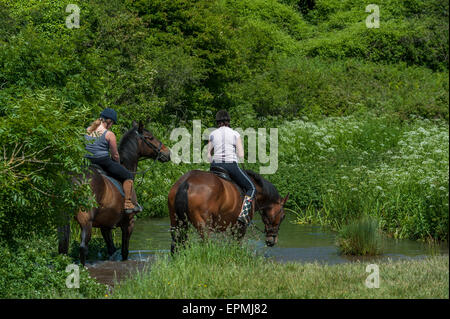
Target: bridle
[
  {"x": 154, "y": 148},
  {"x": 261, "y": 210}
]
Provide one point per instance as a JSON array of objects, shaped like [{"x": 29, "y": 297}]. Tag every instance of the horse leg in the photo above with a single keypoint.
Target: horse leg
[
  {"x": 202, "y": 230},
  {"x": 86, "y": 232},
  {"x": 64, "y": 235},
  {"x": 107, "y": 236},
  {"x": 63, "y": 239},
  {"x": 238, "y": 231},
  {"x": 127, "y": 229},
  {"x": 179, "y": 234}
]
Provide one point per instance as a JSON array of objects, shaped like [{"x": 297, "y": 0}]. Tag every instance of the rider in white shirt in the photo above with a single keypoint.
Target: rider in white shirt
[{"x": 228, "y": 150}]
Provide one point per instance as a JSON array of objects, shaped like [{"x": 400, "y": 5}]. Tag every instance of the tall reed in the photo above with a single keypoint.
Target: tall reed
[{"x": 360, "y": 237}]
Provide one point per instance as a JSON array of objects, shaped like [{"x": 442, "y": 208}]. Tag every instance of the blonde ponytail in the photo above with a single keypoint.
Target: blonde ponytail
[{"x": 94, "y": 126}]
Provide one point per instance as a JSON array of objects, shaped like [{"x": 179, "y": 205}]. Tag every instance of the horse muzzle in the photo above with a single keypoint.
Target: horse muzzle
[
  {"x": 164, "y": 156},
  {"x": 167, "y": 157},
  {"x": 271, "y": 240}
]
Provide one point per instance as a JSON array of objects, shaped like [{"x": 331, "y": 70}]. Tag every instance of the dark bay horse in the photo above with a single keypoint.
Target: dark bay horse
[
  {"x": 211, "y": 203},
  {"x": 135, "y": 144}
]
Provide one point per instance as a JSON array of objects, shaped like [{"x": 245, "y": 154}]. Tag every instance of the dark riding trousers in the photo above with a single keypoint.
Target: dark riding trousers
[
  {"x": 239, "y": 176},
  {"x": 113, "y": 168}
]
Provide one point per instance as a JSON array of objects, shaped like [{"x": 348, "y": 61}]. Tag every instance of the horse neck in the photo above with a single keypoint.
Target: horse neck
[
  {"x": 260, "y": 196},
  {"x": 131, "y": 164},
  {"x": 129, "y": 158},
  {"x": 262, "y": 200}
]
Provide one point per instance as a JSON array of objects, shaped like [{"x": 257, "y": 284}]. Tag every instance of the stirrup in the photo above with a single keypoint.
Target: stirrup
[{"x": 137, "y": 208}]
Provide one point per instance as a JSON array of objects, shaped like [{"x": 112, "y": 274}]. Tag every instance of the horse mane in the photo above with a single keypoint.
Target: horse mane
[
  {"x": 268, "y": 189},
  {"x": 128, "y": 146}
]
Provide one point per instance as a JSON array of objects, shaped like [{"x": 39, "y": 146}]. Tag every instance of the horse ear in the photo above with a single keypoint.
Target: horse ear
[
  {"x": 135, "y": 124},
  {"x": 141, "y": 127},
  {"x": 285, "y": 199}
]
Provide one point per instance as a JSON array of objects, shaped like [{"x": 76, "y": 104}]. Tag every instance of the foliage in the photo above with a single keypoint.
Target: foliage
[
  {"x": 298, "y": 86},
  {"x": 173, "y": 61},
  {"x": 42, "y": 146},
  {"x": 349, "y": 166},
  {"x": 33, "y": 269}
]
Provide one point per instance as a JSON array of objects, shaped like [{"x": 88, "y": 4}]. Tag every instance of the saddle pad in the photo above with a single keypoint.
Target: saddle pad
[
  {"x": 218, "y": 171},
  {"x": 115, "y": 182}
]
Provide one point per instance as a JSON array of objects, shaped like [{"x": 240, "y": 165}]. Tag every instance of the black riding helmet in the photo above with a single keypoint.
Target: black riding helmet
[
  {"x": 109, "y": 113},
  {"x": 222, "y": 116}
]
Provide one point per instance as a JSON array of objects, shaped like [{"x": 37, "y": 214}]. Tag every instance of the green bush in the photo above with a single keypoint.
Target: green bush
[
  {"x": 32, "y": 269},
  {"x": 41, "y": 145},
  {"x": 317, "y": 87},
  {"x": 416, "y": 42}
]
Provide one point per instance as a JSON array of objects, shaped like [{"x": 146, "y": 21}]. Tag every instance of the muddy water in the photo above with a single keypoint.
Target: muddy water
[{"x": 297, "y": 243}]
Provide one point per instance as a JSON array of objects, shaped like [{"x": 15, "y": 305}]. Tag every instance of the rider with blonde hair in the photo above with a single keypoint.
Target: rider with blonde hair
[{"x": 102, "y": 148}]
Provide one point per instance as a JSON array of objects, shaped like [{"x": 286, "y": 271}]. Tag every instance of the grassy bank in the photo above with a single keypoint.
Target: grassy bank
[{"x": 220, "y": 270}]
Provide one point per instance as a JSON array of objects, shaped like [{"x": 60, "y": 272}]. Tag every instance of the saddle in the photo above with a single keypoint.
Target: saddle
[
  {"x": 223, "y": 173},
  {"x": 115, "y": 182}
]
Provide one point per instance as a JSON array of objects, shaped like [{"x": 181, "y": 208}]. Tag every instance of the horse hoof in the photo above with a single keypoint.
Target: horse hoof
[{"x": 116, "y": 256}]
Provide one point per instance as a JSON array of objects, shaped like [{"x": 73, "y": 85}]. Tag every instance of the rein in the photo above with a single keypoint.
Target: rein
[
  {"x": 260, "y": 210},
  {"x": 155, "y": 149}
]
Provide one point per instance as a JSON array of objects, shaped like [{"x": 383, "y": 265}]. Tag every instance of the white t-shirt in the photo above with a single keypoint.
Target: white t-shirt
[{"x": 224, "y": 141}]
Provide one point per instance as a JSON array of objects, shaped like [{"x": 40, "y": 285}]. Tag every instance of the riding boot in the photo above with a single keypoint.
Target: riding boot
[
  {"x": 129, "y": 206},
  {"x": 244, "y": 216}
]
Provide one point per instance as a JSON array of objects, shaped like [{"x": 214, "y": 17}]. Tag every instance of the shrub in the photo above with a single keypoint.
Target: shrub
[
  {"x": 41, "y": 141},
  {"x": 32, "y": 269}
]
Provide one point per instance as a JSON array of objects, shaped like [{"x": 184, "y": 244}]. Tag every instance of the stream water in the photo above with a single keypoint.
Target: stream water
[{"x": 296, "y": 243}]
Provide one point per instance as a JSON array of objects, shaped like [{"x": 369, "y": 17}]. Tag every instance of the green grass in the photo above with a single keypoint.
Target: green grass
[
  {"x": 360, "y": 237},
  {"x": 225, "y": 270}
]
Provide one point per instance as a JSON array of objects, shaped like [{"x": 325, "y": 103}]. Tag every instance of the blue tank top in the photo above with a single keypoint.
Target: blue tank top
[{"x": 97, "y": 146}]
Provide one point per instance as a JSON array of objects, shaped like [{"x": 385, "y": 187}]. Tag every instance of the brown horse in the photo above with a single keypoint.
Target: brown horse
[
  {"x": 212, "y": 203},
  {"x": 137, "y": 143}
]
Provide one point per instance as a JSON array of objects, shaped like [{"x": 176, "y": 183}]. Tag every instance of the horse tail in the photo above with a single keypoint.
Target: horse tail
[{"x": 181, "y": 201}]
